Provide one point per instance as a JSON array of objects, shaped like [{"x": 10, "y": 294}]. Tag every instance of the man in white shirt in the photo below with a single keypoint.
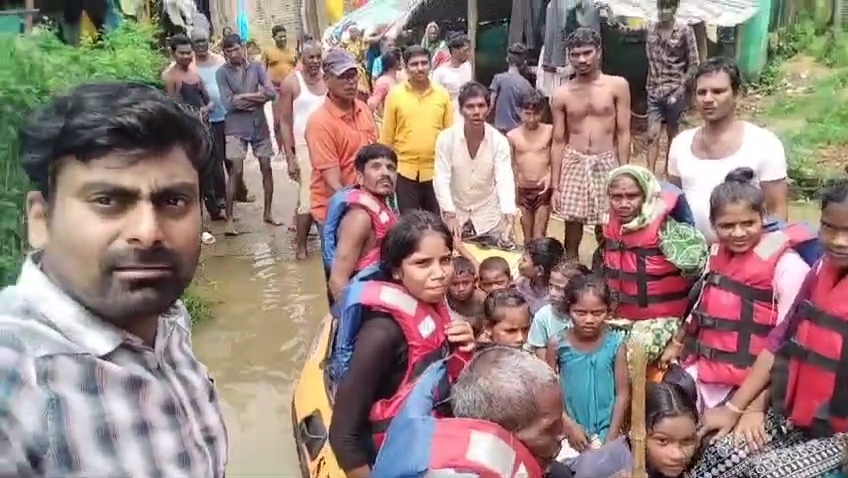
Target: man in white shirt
[
  {"x": 700, "y": 158},
  {"x": 473, "y": 182},
  {"x": 453, "y": 75}
]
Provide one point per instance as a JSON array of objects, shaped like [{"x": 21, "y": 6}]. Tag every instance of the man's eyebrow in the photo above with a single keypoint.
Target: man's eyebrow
[{"x": 185, "y": 187}]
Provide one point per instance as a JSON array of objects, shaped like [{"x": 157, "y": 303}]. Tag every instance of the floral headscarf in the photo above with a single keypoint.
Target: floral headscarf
[{"x": 650, "y": 185}]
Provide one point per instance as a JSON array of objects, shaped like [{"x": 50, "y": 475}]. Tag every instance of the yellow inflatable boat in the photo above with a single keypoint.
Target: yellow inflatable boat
[{"x": 312, "y": 403}]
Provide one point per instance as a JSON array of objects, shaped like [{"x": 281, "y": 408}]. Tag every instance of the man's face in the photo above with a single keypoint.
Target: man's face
[
  {"x": 200, "y": 45},
  {"x": 378, "y": 177},
  {"x": 311, "y": 59},
  {"x": 387, "y": 44},
  {"x": 121, "y": 234},
  {"x": 714, "y": 96},
  {"x": 833, "y": 233},
  {"x": 543, "y": 437},
  {"x": 531, "y": 117},
  {"x": 475, "y": 110},
  {"x": 462, "y": 54},
  {"x": 418, "y": 68},
  {"x": 344, "y": 85},
  {"x": 584, "y": 59},
  {"x": 234, "y": 54},
  {"x": 280, "y": 39},
  {"x": 183, "y": 55}
]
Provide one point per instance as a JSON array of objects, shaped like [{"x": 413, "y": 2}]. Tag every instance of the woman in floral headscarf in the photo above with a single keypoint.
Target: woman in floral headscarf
[
  {"x": 651, "y": 259},
  {"x": 432, "y": 41},
  {"x": 353, "y": 43}
]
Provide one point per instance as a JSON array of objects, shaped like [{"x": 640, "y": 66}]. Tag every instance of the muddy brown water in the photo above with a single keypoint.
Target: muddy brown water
[{"x": 266, "y": 311}]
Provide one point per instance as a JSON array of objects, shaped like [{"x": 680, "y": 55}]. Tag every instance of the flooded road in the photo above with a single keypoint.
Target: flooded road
[{"x": 267, "y": 309}]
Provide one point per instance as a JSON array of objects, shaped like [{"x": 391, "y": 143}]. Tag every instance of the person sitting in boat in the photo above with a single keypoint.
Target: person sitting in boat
[
  {"x": 393, "y": 322},
  {"x": 671, "y": 435},
  {"x": 359, "y": 217},
  {"x": 552, "y": 319},
  {"x": 464, "y": 299},
  {"x": 752, "y": 279},
  {"x": 592, "y": 367},
  {"x": 539, "y": 258},
  {"x": 506, "y": 319},
  {"x": 493, "y": 274},
  {"x": 651, "y": 259},
  {"x": 507, "y": 422},
  {"x": 802, "y": 367}
]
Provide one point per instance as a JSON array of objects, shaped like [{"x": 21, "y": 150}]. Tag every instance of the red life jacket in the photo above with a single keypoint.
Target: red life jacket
[
  {"x": 646, "y": 284},
  {"x": 480, "y": 448},
  {"x": 382, "y": 219},
  {"x": 423, "y": 327},
  {"x": 810, "y": 372},
  {"x": 737, "y": 308}
]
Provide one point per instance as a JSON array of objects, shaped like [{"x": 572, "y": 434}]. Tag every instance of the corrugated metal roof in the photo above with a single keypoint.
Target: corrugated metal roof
[{"x": 723, "y": 13}]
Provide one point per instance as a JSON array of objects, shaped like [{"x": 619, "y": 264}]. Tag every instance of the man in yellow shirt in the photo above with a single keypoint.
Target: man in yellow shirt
[
  {"x": 279, "y": 59},
  {"x": 416, "y": 111}
]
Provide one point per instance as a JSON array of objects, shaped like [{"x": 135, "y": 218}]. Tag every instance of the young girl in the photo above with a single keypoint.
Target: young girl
[
  {"x": 540, "y": 256},
  {"x": 671, "y": 425},
  {"x": 506, "y": 318},
  {"x": 552, "y": 319},
  {"x": 592, "y": 367}
]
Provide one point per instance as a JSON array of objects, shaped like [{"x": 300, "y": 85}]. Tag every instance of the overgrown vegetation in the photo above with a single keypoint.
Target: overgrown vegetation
[
  {"x": 807, "y": 108},
  {"x": 32, "y": 69}
]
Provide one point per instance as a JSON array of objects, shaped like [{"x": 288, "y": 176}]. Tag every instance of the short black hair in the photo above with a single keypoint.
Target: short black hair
[
  {"x": 371, "y": 152},
  {"x": 516, "y": 54},
  {"x": 277, "y": 29},
  {"x": 413, "y": 51},
  {"x": 457, "y": 41},
  {"x": 583, "y": 37},
  {"x": 473, "y": 89},
  {"x": 231, "y": 40},
  {"x": 532, "y": 100},
  {"x": 463, "y": 265},
  {"x": 390, "y": 59},
  {"x": 494, "y": 264},
  {"x": 719, "y": 64},
  {"x": 177, "y": 40},
  {"x": 94, "y": 120}
]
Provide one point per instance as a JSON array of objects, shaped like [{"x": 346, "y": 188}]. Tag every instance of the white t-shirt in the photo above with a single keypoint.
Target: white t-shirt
[
  {"x": 761, "y": 151},
  {"x": 452, "y": 80}
]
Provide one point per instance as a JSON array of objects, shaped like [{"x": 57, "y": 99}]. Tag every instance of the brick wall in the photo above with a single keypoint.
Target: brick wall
[{"x": 264, "y": 14}]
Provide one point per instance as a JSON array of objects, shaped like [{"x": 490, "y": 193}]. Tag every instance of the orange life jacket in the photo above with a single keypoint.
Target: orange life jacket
[
  {"x": 810, "y": 372},
  {"x": 737, "y": 308},
  {"x": 382, "y": 219},
  {"x": 647, "y": 285}
]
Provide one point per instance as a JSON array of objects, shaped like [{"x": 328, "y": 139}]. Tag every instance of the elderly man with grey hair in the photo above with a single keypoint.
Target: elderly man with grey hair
[
  {"x": 519, "y": 392},
  {"x": 511, "y": 422}
]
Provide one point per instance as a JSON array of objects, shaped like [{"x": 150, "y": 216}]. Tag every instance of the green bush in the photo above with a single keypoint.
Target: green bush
[{"x": 37, "y": 66}]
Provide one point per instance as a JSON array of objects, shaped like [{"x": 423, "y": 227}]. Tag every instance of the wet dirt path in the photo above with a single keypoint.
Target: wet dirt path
[{"x": 267, "y": 308}]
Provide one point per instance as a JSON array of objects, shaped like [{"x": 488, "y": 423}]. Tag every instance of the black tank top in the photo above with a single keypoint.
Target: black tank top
[{"x": 191, "y": 93}]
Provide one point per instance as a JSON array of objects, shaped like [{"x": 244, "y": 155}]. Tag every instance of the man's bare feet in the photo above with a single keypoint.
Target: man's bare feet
[
  {"x": 247, "y": 198},
  {"x": 230, "y": 228},
  {"x": 301, "y": 254},
  {"x": 270, "y": 220}
]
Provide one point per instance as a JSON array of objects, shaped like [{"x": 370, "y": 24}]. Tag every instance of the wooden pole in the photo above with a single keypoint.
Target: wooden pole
[
  {"x": 472, "y": 34},
  {"x": 29, "y": 6},
  {"x": 638, "y": 433}
]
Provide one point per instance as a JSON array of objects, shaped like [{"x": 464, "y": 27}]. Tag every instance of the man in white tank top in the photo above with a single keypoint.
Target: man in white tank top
[
  {"x": 700, "y": 158},
  {"x": 301, "y": 93}
]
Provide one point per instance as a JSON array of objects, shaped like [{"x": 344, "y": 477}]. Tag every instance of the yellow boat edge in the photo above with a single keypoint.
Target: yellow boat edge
[{"x": 312, "y": 406}]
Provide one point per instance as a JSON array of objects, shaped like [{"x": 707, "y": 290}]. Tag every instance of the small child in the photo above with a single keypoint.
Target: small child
[
  {"x": 494, "y": 274},
  {"x": 506, "y": 318},
  {"x": 592, "y": 367},
  {"x": 464, "y": 299},
  {"x": 540, "y": 256},
  {"x": 552, "y": 319},
  {"x": 531, "y": 155}
]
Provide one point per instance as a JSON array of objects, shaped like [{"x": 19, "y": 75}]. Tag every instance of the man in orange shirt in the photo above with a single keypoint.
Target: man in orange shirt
[{"x": 336, "y": 131}]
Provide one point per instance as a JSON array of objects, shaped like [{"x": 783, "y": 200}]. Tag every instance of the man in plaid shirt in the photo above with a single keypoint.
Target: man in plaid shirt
[
  {"x": 97, "y": 376},
  {"x": 672, "y": 52}
]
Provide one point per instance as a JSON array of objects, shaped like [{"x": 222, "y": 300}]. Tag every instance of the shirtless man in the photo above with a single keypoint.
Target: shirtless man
[
  {"x": 300, "y": 95},
  {"x": 531, "y": 160},
  {"x": 591, "y": 136}
]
